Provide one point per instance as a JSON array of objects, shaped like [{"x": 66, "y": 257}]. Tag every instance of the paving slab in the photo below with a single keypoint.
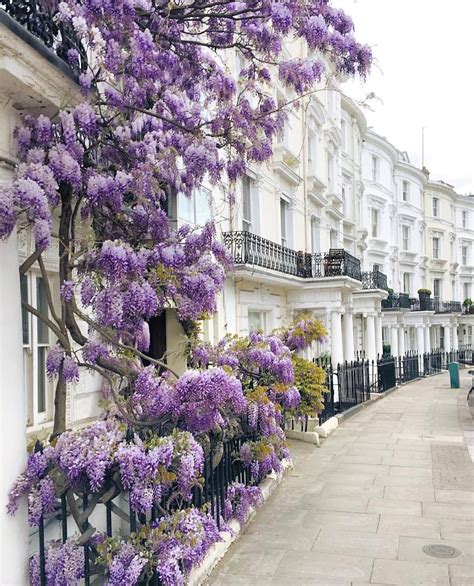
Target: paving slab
[
  {"x": 411, "y": 548},
  {"x": 461, "y": 575},
  {"x": 357, "y": 544},
  {"x": 408, "y": 526},
  {"x": 409, "y": 573}
]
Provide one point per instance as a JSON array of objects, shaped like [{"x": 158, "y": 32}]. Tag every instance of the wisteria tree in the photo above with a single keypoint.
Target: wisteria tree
[{"x": 161, "y": 112}]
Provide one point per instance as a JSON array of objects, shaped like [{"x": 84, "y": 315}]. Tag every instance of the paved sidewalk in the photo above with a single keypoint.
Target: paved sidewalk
[{"x": 392, "y": 479}]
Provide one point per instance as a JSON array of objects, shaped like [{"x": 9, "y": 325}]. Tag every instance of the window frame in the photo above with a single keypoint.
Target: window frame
[
  {"x": 436, "y": 249},
  {"x": 405, "y": 190},
  {"x": 375, "y": 168},
  {"x": 374, "y": 230},
  {"x": 435, "y": 207},
  {"x": 405, "y": 237}
]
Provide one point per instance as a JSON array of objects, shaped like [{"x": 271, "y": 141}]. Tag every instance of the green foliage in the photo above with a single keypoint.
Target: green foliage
[
  {"x": 467, "y": 302},
  {"x": 310, "y": 380},
  {"x": 424, "y": 292}
]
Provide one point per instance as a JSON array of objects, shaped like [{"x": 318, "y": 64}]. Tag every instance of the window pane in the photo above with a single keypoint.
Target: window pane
[
  {"x": 186, "y": 208},
  {"x": 283, "y": 220},
  {"x": 41, "y": 374},
  {"x": 246, "y": 204},
  {"x": 256, "y": 321},
  {"x": 203, "y": 207},
  {"x": 24, "y": 314},
  {"x": 42, "y": 306}
]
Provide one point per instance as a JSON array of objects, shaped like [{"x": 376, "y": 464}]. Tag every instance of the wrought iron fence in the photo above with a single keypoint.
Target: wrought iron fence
[
  {"x": 350, "y": 384},
  {"x": 447, "y": 306},
  {"x": 374, "y": 280},
  {"x": 250, "y": 249},
  {"x": 38, "y": 17},
  {"x": 222, "y": 466}
]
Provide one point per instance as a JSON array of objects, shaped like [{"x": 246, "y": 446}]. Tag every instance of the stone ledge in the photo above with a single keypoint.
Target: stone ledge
[
  {"x": 310, "y": 437},
  {"x": 218, "y": 550}
]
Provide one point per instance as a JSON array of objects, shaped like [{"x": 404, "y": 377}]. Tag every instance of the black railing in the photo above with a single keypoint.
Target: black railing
[
  {"x": 374, "y": 280},
  {"x": 350, "y": 384},
  {"x": 396, "y": 301},
  {"x": 222, "y": 467},
  {"x": 38, "y": 17},
  {"x": 250, "y": 249},
  {"x": 447, "y": 306},
  {"x": 421, "y": 305}
]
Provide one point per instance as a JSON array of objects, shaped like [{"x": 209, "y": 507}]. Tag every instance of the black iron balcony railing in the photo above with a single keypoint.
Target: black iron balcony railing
[
  {"x": 374, "y": 280},
  {"x": 447, "y": 306},
  {"x": 396, "y": 301},
  {"x": 435, "y": 305},
  {"x": 250, "y": 249},
  {"x": 38, "y": 17}
]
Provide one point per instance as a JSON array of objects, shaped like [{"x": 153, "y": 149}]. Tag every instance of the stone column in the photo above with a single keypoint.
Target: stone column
[
  {"x": 378, "y": 335},
  {"x": 370, "y": 350},
  {"x": 337, "y": 354},
  {"x": 426, "y": 333},
  {"x": 454, "y": 339},
  {"x": 348, "y": 335},
  {"x": 13, "y": 530},
  {"x": 394, "y": 340},
  {"x": 401, "y": 341},
  {"x": 420, "y": 339},
  {"x": 447, "y": 337}
]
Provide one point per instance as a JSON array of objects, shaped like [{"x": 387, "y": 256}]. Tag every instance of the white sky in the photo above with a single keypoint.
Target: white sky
[{"x": 424, "y": 75}]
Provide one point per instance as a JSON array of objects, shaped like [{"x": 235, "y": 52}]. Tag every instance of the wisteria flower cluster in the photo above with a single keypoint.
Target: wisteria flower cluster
[
  {"x": 240, "y": 499},
  {"x": 264, "y": 455},
  {"x": 172, "y": 546},
  {"x": 64, "y": 564},
  {"x": 148, "y": 469}
]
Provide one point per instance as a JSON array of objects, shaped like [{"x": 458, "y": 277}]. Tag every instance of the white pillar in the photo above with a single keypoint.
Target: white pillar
[
  {"x": 420, "y": 340},
  {"x": 378, "y": 335},
  {"x": 426, "y": 333},
  {"x": 370, "y": 350},
  {"x": 447, "y": 337},
  {"x": 394, "y": 340},
  {"x": 401, "y": 341},
  {"x": 337, "y": 354},
  {"x": 454, "y": 339},
  {"x": 13, "y": 530},
  {"x": 348, "y": 335}
]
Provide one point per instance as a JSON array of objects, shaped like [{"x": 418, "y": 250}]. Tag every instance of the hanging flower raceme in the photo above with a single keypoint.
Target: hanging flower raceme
[
  {"x": 240, "y": 499},
  {"x": 64, "y": 564},
  {"x": 204, "y": 399},
  {"x": 264, "y": 455},
  {"x": 149, "y": 469}
]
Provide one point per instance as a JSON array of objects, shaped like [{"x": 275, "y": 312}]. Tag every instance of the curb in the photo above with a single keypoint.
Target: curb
[
  {"x": 309, "y": 437},
  {"x": 199, "y": 574}
]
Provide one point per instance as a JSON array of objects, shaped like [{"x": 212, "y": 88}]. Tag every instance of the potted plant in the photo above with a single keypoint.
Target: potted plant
[
  {"x": 424, "y": 296},
  {"x": 469, "y": 305}
]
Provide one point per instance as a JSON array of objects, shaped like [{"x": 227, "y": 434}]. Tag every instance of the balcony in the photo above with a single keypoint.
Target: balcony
[
  {"x": 436, "y": 305},
  {"x": 374, "y": 280},
  {"x": 250, "y": 249},
  {"x": 447, "y": 306},
  {"x": 37, "y": 17},
  {"x": 396, "y": 301}
]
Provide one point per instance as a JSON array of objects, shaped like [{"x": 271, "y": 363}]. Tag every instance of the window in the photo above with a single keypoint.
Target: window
[
  {"x": 315, "y": 235},
  {"x": 257, "y": 321},
  {"x": 437, "y": 288},
  {"x": 406, "y": 282},
  {"x": 441, "y": 337},
  {"x": 333, "y": 239},
  {"x": 36, "y": 343},
  {"x": 344, "y": 135},
  {"x": 312, "y": 152},
  {"x": 464, "y": 255},
  {"x": 435, "y": 207},
  {"x": 406, "y": 237},
  {"x": 375, "y": 168},
  {"x": 246, "y": 204},
  {"x": 435, "y": 247},
  {"x": 375, "y": 222},
  {"x": 467, "y": 290},
  {"x": 405, "y": 190},
  {"x": 284, "y": 221},
  {"x": 195, "y": 209},
  {"x": 464, "y": 219}
]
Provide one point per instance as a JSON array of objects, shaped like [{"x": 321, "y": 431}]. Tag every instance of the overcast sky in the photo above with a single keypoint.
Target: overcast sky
[{"x": 424, "y": 76}]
